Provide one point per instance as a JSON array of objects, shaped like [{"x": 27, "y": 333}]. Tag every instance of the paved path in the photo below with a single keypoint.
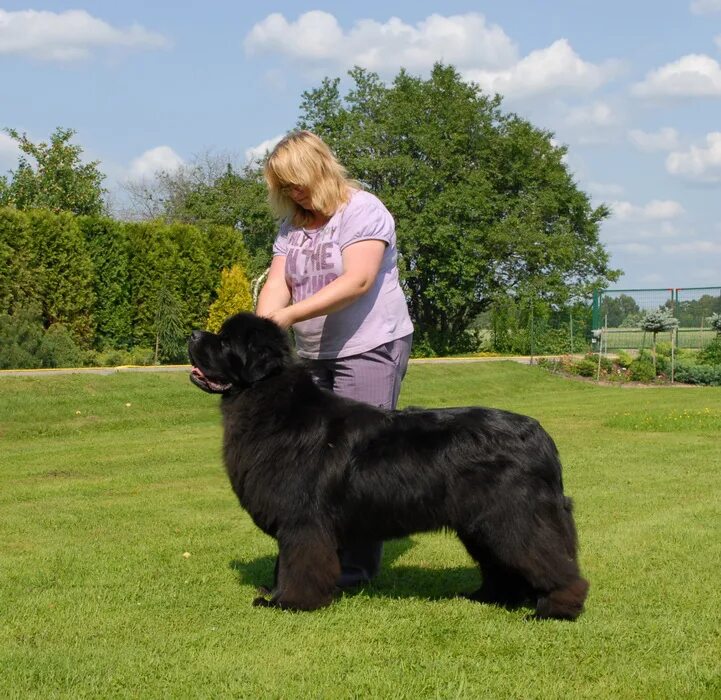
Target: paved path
[{"x": 522, "y": 359}]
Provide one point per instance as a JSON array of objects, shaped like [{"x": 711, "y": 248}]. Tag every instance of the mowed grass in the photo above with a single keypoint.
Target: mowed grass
[{"x": 127, "y": 567}]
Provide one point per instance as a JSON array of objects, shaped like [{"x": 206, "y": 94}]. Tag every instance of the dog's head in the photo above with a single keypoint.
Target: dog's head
[{"x": 246, "y": 350}]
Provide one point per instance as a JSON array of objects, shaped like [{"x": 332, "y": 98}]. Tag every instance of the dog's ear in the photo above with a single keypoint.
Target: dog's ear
[{"x": 266, "y": 353}]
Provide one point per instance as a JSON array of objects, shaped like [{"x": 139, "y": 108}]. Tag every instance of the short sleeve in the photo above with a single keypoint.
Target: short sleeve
[
  {"x": 365, "y": 218},
  {"x": 280, "y": 245}
]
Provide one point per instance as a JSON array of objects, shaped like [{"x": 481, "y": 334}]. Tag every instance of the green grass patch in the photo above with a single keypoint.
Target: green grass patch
[
  {"x": 127, "y": 567},
  {"x": 685, "y": 420}
]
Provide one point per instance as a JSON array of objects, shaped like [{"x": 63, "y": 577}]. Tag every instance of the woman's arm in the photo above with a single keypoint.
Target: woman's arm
[
  {"x": 361, "y": 264},
  {"x": 275, "y": 294}
]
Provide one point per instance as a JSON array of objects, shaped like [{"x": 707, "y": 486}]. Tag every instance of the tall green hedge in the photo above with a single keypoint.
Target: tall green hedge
[
  {"x": 108, "y": 246},
  {"x": 61, "y": 264},
  {"x": 109, "y": 281},
  {"x": 18, "y": 285}
]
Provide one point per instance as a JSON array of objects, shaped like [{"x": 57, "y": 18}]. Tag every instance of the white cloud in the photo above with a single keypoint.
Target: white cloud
[
  {"x": 316, "y": 36},
  {"x": 481, "y": 51},
  {"x": 693, "y": 247},
  {"x": 698, "y": 163},
  {"x": 594, "y": 123},
  {"x": 67, "y": 36},
  {"x": 665, "y": 139},
  {"x": 598, "y": 114},
  {"x": 633, "y": 248},
  {"x": 555, "y": 68},
  {"x": 695, "y": 75},
  {"x": 605, "y": 189},
  {"x": 704, "y": 7},
  {"x": 256, "y": 153},
  {"x": 665, "y": 230},
  {"x": 655, "y": 210},
  {"x": 707, "y": 275},
  {"x": 153, "y": 161}
]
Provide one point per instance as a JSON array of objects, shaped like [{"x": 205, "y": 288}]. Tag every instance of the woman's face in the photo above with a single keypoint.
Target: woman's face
[{"x": 299, "y": 194}]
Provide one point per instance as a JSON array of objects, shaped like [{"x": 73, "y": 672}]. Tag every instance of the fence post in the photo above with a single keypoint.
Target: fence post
[
  {"x": 596, "y": 312},
  {"x": 674, "y": 340}
]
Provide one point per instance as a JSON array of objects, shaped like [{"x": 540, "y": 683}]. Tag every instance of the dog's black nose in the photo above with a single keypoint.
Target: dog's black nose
[{"x": 195, "y": 335}]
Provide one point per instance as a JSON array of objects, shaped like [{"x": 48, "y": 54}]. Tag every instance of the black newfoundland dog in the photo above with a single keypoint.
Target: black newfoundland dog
[{"x": 317, "y": 472}]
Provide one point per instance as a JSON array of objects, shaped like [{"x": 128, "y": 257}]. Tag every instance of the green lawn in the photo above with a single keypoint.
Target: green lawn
[{"x": 127, "y": 567}]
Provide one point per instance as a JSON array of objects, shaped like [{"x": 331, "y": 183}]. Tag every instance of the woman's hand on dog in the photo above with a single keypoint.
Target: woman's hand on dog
[{"x": 281, "y": 317}]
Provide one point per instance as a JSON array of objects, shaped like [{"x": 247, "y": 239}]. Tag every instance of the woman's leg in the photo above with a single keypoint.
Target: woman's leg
[{"x": 373, "y": 377}]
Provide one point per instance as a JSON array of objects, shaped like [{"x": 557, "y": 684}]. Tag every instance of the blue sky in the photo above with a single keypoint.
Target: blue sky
[{"x": 632, "y": 88}]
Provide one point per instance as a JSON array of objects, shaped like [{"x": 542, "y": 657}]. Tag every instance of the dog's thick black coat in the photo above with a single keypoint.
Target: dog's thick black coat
[{"x": 317, "y": 472}]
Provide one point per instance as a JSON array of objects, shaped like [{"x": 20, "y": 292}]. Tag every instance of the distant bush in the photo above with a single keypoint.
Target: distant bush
[
  {"x": 479, "y": 339},
  {"x": 58, "y": 349},
  {"x": 663, "y": 349},
  {"x": 112, "y": 357},
  {"x": 25, "y": 344},
  {"x": 21, "y": 334},
  {"x": 689, "y": 368},
  {"x": 641, "y": 369},
  {"x": 624, "y": 359},
  {"x": 711, "y": 354},
  {"x": 233, "y": 295},
  {"x": 586, "y": 367},
  {"x": 690, "y": 373}
]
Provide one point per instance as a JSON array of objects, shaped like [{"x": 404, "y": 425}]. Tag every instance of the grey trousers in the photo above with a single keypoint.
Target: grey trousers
[{"x": 373, "y": 377}]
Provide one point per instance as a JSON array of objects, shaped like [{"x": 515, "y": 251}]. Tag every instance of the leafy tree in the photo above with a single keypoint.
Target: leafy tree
[
  {"x": 691, "y": 312},
  {"x": 618, "y": 310},
  {"x": 485, "y": 207},
  {"x": 52, "y": 175},
  {"x": 233, "y": 296},
  {"x": 656, "y": 322}
]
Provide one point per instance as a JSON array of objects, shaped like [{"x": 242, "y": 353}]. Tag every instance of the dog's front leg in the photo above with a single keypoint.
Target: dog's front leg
[{"x": 308, "y": 569}]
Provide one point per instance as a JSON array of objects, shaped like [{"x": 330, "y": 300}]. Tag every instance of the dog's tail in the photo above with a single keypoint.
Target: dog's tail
[{"x": 570, "y": 536}]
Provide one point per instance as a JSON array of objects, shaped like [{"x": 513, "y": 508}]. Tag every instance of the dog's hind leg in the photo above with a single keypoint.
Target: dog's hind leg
[
  {"x": 308, "y": 569},
  {"x": 500, "y": 584},
  {"x": 565, "y": 603},
  {"x": 529, "y": 560},
  {"x": 561, "y": 589}
]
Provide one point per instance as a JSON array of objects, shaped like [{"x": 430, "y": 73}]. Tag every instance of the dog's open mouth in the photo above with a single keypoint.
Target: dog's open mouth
[{"x": 206, "y": 384}]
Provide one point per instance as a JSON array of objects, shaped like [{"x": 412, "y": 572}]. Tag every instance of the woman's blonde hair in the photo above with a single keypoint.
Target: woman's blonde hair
[{"x": 303, "y": 159}]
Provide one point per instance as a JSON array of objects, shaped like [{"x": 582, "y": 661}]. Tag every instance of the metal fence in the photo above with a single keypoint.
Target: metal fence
[{"x": 619, "y": 312}]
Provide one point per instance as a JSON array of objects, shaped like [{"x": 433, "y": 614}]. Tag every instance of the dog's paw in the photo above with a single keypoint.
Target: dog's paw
[{"x": 261, "y": 602}]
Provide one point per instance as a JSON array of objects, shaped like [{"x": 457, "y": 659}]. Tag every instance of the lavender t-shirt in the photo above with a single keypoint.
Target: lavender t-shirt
[{"x": 313, "y": 260}]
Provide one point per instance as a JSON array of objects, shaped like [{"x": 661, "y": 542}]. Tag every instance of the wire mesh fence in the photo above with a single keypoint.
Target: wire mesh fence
[{"x": 619, "y": 312}]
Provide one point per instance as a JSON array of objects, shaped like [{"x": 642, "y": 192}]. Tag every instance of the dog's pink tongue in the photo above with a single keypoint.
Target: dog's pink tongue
[{"x": 197, "y": 373}]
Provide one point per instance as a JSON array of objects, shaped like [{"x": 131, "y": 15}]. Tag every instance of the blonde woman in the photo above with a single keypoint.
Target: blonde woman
[{"x": 334, "y": 279}]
